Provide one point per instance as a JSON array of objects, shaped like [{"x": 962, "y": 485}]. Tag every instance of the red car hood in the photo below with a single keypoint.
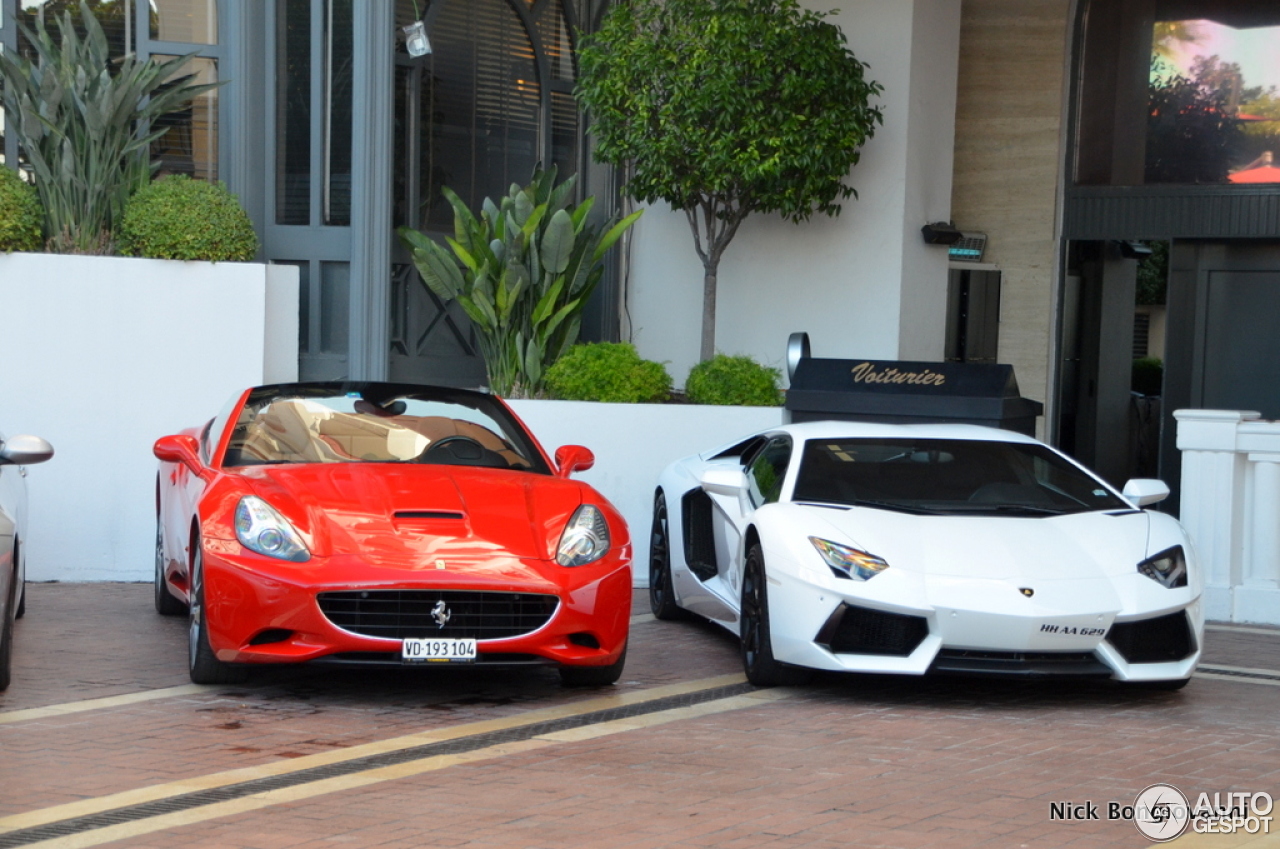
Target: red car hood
[{"x": 413, "y": 516}]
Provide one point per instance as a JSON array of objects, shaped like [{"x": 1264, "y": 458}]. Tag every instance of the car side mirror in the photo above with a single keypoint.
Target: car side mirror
[
  {"x": 25, "y": 451},
  {"x": 724, "y": 481},
  {"x": 180, "y": 448},
  {"x": 1144, "y": 491},
  {"x": 573, "y": 458}
]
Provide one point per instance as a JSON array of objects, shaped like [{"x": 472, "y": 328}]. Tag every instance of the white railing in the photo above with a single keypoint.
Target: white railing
[{"x": 1231, "y": 508}]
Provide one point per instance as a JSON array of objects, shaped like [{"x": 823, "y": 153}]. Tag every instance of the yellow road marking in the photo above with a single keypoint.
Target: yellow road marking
[
  {"x": 1236, "y": 678},
  {"x": 285, "y": 766},
  {"x": 100, "y": 704},
  {"x": 65, "y": 708},
  {"x": 378, "y": 775}
]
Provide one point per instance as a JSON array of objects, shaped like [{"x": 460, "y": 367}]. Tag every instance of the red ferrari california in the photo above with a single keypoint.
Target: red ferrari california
[{"x": 379, "y": 523}]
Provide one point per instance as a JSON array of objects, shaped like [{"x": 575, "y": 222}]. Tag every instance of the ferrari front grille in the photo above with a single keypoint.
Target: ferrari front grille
[
  {"x": 860, "y": 630},
  {"x": 456, "y": 614},
  {"x": 1159, "y": 640}
]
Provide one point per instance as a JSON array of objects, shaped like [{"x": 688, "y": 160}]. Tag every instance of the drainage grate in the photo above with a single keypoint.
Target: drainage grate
[{"x": 187, "y": 801}]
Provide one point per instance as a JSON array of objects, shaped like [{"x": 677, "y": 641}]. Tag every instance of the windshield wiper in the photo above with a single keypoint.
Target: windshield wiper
[
  {"x": 897, "y": 506},
  {"x": 1025, "y": 509}
]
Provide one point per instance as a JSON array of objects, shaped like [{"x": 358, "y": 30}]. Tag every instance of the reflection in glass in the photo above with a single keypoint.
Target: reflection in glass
[
  {"x": 1214, "y": 104},
  {"x": 190, "y": 21},
  {"x": 190, "y": 146}
]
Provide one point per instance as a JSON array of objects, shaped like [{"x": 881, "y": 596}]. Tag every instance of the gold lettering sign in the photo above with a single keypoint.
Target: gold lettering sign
[{"x": 866, "y": 373}]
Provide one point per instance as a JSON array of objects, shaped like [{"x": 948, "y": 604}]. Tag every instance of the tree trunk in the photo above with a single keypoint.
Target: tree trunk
[{"x": 709, "y": 309}]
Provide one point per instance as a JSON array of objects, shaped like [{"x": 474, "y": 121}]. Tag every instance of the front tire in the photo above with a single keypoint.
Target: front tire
[
  {"x": 662, "y": 597},
  {"x": 594, "y": 676},
  {"x": 204, "y": 666},
  {"x": 758, "y": 662},
  {"x": 166, "y": 604}
]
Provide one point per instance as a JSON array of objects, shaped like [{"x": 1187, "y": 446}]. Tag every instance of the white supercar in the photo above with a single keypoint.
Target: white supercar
[{"x": 925, "y": 548}]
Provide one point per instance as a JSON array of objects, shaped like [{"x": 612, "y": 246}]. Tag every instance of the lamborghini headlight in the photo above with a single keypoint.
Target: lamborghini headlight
[
  {"x": 585, "y": 539},
  {"x": 848, "y": 562},
  {"x": 260, "y": 528},
  {"x": 1168, "y": 568}
]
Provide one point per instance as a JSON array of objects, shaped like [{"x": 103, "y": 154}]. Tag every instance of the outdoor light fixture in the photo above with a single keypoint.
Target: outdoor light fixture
[
  {"x": 940, "y": 233},
  {"x": 415, "y": 39},
  {"x": 1134, "y": 250}
]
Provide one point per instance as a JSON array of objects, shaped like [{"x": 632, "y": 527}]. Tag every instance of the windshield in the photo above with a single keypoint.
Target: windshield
[
  {"x": 378, "y": 423},
  {"x": 948, "y": 476}
]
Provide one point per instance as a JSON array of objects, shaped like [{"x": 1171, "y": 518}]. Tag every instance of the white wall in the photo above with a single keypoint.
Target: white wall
[
  {"x": 863, "y": 284},
  {"x": 102, "y": 355},
  {"x": 633, "y": 443}
]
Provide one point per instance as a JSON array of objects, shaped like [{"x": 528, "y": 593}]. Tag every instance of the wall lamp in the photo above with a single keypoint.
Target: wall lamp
[
  {"x": 941, "y": 233},
  {"x": 1134, "y": 250}
]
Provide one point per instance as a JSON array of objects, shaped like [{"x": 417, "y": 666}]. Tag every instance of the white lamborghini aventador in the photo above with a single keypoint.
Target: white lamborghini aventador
[{"x": 925, "y": 548}]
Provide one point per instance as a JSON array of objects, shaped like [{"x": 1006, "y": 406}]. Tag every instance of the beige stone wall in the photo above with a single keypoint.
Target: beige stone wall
[{"x": 1014, "y": 57}]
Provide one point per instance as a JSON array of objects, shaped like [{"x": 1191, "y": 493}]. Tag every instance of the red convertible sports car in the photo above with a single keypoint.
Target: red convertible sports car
[{"x": 379, "y": 523}]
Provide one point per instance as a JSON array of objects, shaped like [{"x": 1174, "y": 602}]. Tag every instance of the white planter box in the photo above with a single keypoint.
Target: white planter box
[
  {"x": 633, "y": 443},
  {"x": 102, "y": 355}
]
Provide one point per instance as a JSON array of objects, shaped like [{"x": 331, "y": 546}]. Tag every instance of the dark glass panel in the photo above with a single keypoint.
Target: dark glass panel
[
  {"x": 293, "y": 112},
  {"x": 479, "y": 107},
  {"x": 335, "y": 306},
  {"x": 338, "y": 120}
]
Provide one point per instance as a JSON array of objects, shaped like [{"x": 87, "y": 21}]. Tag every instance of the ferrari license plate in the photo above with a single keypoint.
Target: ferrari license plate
[{"x": 415, "y": 650}]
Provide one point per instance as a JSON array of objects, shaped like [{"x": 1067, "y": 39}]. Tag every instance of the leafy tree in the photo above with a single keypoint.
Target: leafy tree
[{"x": 723, "y": 108}]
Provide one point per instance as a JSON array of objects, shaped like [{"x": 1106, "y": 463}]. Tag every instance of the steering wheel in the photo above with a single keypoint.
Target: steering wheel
[{"x": 471, "y": 449}]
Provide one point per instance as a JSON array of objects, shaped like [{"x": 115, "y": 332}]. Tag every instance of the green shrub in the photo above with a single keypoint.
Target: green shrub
[
  {"x": 20, "y": 214},
  {"x": 1148, "y": 375},
  {"x": 733, "y": 380},
  {"x": 179, "y": 218},
  {"x": 607, "y": 371}
]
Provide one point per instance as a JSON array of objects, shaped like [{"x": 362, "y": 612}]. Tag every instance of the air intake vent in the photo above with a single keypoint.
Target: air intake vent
[
  {"x": 859, "y": 630},
  {"x": 458, "y": 614},
  {"x": 1159, "y": 640},
  {"x": 428, "y": 514}
]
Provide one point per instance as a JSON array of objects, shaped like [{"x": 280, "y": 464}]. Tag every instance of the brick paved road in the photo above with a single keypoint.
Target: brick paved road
[{"x": 847, "y": 761}]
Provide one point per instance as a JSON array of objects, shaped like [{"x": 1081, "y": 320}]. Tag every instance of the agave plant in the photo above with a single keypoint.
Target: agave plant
[
  {"x": 523, "y": 272},
  {"x": 85, "y": 124}
]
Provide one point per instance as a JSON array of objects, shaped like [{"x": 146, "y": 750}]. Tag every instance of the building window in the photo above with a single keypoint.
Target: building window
[
  {"x": 1179, "y": 92},
  {"x": 159, "y": 29},
  {"x": 492, "y": 100}
]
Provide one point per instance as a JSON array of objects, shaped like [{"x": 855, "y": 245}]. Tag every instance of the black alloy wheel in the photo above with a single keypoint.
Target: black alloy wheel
[
  {"x": 204, "y": 666},
  {"x": 166, "y": 604},
  {"x": 662, "y": 597},
  {"x": 757, "y": 646}
]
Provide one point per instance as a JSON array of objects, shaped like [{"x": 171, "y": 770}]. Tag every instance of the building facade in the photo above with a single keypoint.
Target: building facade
[{"x": 1029, "y": 122}]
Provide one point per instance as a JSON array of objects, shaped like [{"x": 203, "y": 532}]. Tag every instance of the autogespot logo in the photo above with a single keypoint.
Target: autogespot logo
[{"x": 1161, "y": 813}]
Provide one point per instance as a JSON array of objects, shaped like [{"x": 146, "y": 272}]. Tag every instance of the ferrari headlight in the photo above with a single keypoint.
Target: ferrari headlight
[
  {"x": 260, "y": 528},
  {"x": 848, "y": 562},
  {"x": 585, "y": 539},
  {"x": 1168, "y": 568}
]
